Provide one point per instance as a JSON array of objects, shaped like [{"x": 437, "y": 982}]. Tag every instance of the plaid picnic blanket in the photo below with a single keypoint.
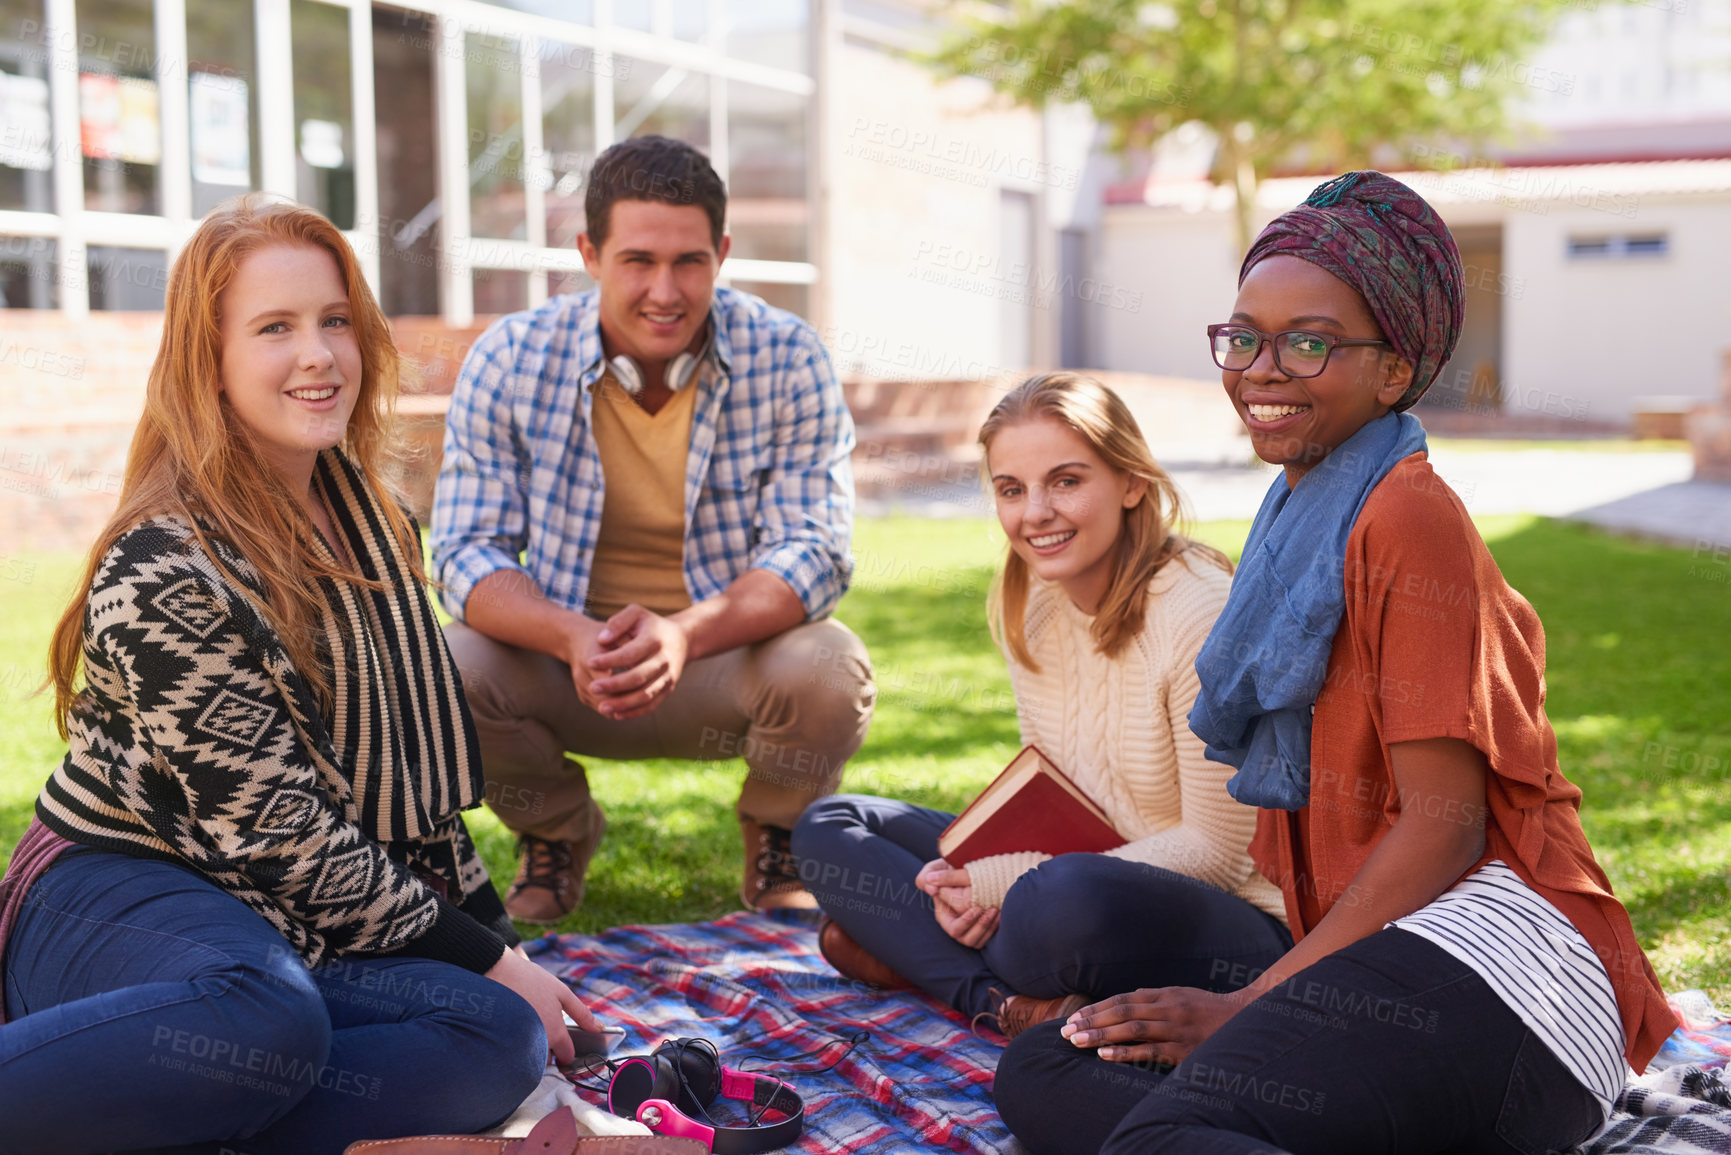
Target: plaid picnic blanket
[
  {"x": 755, "y": 986},
  {"x": 1678, "y": 1111}
]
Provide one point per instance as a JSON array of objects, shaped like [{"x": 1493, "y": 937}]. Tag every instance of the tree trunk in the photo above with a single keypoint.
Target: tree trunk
[
  {"x": 1244, "y": 200},
  {"x": 1241, "y": 171}
]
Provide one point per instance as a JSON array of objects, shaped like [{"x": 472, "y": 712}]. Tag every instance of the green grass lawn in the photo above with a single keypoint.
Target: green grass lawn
[
  {"x": 1559, "y": 444},
  {"x": 1640, "y": 693}
]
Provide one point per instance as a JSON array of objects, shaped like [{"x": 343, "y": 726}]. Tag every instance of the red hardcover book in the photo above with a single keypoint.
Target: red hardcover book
[{"x": 1032, "y": 805}]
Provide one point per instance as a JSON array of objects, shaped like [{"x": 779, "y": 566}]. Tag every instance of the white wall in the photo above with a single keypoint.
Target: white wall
[
  {"x": 1180, "y": 272},
  {"x": 1581, "y": 339},
  {"x": 1590, "y": 338},
  {"x": 917, "y": 269}
]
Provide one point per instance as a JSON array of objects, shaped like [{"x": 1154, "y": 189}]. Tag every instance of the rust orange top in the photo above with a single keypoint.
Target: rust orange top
[{"x": 1434, "y": 643}]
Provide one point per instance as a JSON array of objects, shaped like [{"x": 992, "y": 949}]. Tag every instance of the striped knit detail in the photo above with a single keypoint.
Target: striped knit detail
[
  {"x": 1537, "y": 963},
  {"x": 197, "y": 741},
  {"x": 410, "y": 748},
  {"x": 1119, "y": 727}
]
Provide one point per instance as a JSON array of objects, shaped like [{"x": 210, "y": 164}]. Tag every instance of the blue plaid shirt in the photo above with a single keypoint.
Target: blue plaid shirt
[{"x": 768, "y": 484}]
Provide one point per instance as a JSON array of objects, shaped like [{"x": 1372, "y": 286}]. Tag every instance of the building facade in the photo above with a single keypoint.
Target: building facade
[{"x": 450, "y": 139}]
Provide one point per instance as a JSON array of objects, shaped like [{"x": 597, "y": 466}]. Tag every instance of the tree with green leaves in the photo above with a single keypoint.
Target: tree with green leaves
[{"x": 1325, "y": 83}]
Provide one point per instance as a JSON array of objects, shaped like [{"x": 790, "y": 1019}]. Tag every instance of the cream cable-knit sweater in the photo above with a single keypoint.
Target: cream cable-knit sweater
[{"x": 1119, "y": 728}]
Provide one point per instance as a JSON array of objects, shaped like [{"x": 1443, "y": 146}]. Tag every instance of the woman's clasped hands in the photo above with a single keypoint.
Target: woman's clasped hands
[{"x": 952, "y": 894}]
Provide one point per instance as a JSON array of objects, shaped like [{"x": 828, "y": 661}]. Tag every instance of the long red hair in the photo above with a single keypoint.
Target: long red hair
[{"x": 193, "y": 458}]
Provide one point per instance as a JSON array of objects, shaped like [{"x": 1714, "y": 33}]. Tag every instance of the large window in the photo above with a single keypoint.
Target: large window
[
  {"x": 27, "y": 273},
  {"x": 408, "y": 224},
  {"x": 543, "y": 87},
  {"x": 568, "y": 77},
  {"x": 119, "y": 127},
  {"x": 500, "y": 291},
  {"x": 570, "y": 11},
  {"x": 127, "y": 279},
  {"x": 324, "y": 111},
  {"x": 26, "y": 134},
  {"x": 493, "y": 66},
  {"x": 665, "y": 100},
  {"x": 767, "y": 207},
  {"x": 772, "y": 32},
  {"x": 222, "y": 101}
]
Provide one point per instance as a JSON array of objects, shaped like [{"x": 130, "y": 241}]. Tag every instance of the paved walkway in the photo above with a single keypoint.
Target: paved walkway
[{"x": 1643, "y": 494}]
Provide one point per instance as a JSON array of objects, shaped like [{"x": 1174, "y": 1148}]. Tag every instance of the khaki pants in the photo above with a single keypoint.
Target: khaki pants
[{"x": 795, "y": 707}]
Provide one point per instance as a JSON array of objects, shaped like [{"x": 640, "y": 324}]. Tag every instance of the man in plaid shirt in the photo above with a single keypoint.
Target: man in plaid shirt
[{"x": 641, "y": 526}]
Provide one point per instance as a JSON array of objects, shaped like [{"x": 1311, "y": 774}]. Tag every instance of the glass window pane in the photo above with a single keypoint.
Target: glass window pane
[
  {"x": 772, "y": 32},
  {"x": 795, "y": 299},
  {"x": 656, "y": 99},
  {"x": 119, "y": 121},
  {"x": 633, "y": 14},
  {"x": 26, "y": 137},
  {"x": 568, "y": 135},
  {"x": 571, "y": 282},
  {"x": 28, "y": 273},
  {"x": 222, "y": 102},
  {"x": 690, "y": 19},
  {"x": 768, "y": 213},
  {"x": 494, "y": 66},
  {"x": 403, "y": 47},
  {"x": 324, "y": 111},
  {"x": 127, "y": 279},
  {"x": 570, "y": 11},
  {"x": 500, "y": 291}
]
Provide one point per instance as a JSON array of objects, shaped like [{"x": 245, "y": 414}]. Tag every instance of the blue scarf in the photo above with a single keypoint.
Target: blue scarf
[{"x": 1264, "y": 662}]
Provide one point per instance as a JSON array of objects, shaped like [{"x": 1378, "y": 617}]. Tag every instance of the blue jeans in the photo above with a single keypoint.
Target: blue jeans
[
  {"x": 1084, "y": 924},
  {"x": 151, "y": 1009},
  {"x": 1390, "y": 1046}
]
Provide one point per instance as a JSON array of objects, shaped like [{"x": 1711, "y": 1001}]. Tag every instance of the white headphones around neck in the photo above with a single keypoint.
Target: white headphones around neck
[{"x": 681, "y": 371}]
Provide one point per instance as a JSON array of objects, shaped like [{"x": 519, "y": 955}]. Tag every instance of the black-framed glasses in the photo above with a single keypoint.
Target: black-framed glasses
[{"x": 1297, "y": 352}]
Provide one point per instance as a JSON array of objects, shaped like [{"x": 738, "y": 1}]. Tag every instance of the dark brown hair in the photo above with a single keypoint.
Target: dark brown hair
[{"x": 653, "y": 168}]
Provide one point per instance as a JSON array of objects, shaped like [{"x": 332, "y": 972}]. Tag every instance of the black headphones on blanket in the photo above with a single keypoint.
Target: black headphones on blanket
[{"x": 669, "y": 1093}]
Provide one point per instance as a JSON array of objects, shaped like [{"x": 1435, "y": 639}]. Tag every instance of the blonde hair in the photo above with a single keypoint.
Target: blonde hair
[
  {"x": 1149, "y": 540},
  {"x": 193, "y": 458}
]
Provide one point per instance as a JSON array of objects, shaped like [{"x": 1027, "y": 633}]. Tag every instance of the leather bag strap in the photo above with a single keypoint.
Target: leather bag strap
[{"x": 554, "y": 1135}]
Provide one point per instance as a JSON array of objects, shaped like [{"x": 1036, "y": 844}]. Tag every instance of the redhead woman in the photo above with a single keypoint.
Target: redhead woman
[
  {"x": 248, "y": 893},
  {"x": 1101, "y": 608}
]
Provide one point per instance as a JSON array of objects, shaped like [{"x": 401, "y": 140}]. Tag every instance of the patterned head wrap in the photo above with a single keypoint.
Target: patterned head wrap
[{"x": 1380, "y": 237}]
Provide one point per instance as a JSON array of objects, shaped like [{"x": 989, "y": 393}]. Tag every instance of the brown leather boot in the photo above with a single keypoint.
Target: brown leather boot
[
  {"x": 549, "y": 882},
  {"x": 771, "y": 875},
  {"x": 851, "y": 960},
  {"x": 1016, "y": 1013}
]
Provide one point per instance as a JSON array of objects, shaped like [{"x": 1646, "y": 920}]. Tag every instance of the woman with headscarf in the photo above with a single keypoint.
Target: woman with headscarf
[{"x": 1464, "y": 979}]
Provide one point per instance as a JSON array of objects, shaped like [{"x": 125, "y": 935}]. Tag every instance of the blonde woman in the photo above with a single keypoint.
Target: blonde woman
[
  {"x": 1100, "y": 608},
  {"x": 248, "y": 891}
]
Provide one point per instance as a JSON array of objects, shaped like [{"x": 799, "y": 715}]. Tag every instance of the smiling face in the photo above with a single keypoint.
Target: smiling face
[
  {"x": 1061, "y": 505},
  {"x": 1297, "y": 421},
  {"x": 656, "y": 272},
  {"x": 291, "y": 366}
]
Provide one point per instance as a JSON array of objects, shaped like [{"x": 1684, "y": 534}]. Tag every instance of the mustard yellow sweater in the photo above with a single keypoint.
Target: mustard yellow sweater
[{"x": 1117, "y": 727}]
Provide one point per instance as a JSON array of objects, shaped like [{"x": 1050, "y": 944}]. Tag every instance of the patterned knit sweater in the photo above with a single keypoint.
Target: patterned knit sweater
[
  {"x": 1119, "y": 728},
  {"x": 198, "y": 742}
]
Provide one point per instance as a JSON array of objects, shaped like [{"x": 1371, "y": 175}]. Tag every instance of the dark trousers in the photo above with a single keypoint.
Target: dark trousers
[
  {"x": 1388, "y": 1045},
  {"x": 150, "y": 1008},
  {"x": 1083, "y": 924}
]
